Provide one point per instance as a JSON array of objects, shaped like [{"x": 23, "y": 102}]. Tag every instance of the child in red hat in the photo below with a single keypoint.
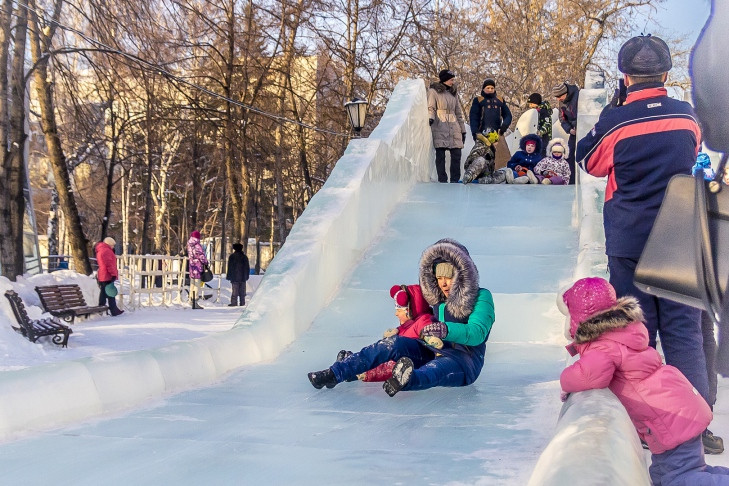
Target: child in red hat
[{"x": 414, "y": 313}]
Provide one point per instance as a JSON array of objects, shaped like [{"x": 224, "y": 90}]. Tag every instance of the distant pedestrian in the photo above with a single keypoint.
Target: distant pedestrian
[
  {"x": 237, "y": 274},
  {"x": 196, "y": 262},
  {"x": 107, "y": 273},
  {"x": 446, "y": 124}
]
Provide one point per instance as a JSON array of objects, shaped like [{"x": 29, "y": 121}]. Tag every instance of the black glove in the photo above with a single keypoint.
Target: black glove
[
  {"x": 474, "y": 136},
  {"x": 501, "y": 132},
  {"x": 463, "y": 137},
  {"x": 430, "y": 121}
]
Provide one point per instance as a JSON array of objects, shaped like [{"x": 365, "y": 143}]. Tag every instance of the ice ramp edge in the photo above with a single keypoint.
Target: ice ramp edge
[{"x": 337, "y": 226}]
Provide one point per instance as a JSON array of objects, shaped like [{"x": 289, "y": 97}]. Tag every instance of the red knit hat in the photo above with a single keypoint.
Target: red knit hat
[
  {"x": 195, "y": 234},
  {"x": 410, "y": 296}
]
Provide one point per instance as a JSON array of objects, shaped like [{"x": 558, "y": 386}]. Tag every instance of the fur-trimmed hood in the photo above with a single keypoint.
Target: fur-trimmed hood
[
  {"x": 464, "y": 289},
  {"x": 625, "y": 311},
  {"x": 442, "y": 88},
  {"x": 531, "y": 137},
  {"x": 558, "y": 141}
]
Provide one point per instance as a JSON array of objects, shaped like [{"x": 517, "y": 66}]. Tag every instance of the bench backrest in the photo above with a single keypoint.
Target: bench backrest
[
  {"x": 59, "y": 297},
  {"x": 16, "y": 303}
]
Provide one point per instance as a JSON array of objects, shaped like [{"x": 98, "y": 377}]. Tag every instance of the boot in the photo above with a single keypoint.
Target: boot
[
  {"x": 194, "y": 304},
  {"x": 532, "y": 178},
  {"x": 401, "y": 374},
  {"x": 324, "y": 378},
  {"x": 712, "y": 443}
]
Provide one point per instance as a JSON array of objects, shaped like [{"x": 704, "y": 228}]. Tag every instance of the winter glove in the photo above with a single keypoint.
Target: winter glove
[
  {"x": 390, "y": 333},
  {"x": 463, "y": 137},
  {"x": 564, "y": 396},
  {"x": 433, "y": 341},
  {"x": 437, "y": 329},
  {"x": 430, "y": 122},
  {"x": 501, "y": 132}
]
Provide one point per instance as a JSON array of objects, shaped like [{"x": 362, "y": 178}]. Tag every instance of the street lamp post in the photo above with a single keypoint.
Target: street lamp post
[{"x": 357, "y": 111}]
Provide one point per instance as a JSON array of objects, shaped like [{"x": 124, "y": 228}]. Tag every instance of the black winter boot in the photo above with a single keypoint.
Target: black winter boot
[
  {"x": 401, "y": 374},
  {"x": 324, "y": 378},
  {"x": 195, "y": 304},
  {"x": 712, "y": 443}
]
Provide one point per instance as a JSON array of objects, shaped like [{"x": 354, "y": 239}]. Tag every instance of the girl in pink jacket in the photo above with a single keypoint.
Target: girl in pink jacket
[{"x": 668, "y": 413}]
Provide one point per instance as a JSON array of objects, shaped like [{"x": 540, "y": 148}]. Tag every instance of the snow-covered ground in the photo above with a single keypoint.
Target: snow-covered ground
[{"x": 136, "y": 329}]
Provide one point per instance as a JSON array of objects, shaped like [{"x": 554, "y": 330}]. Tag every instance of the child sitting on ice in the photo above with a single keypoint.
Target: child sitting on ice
[
  {"x": 480, "y": 162},
  {"x": 519, "y": 169},
  {"x": 414, "y": 313},
  {"x": 554, "y": 169},
  {"x": 668, "y": 413}
]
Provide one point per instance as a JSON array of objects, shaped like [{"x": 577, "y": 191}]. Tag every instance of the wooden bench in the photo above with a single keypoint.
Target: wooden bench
[
  {"x": 66, "y": 301},
  {"x": 34, "y": 329}
]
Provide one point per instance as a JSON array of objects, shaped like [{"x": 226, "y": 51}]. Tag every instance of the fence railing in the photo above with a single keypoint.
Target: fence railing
[{"x": 151, "y": 280}]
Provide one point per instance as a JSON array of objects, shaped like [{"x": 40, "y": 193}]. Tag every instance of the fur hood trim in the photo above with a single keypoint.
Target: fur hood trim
[
  {"x": 625, "y": 311},
  {"x": 442, "y": 88},
  {"x": 531, "y": 137},
  {"x": 558, "y": 141},
  {"x": 464, "y": 290}
]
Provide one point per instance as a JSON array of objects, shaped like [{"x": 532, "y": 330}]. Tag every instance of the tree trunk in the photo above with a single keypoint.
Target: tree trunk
[
  {"x": 12, "y": 124},
  {"x": 79, "y": 245}
]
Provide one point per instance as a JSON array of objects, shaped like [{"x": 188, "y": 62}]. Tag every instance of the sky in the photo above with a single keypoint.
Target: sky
[{"x": 684, "y": 16}]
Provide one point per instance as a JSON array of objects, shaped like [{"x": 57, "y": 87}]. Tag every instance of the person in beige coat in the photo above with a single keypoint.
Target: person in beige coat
[{"x": 446, "y": 124}]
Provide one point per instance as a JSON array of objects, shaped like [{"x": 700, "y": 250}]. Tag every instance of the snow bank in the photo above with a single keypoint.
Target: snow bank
[{"x": 329, "y": 238}]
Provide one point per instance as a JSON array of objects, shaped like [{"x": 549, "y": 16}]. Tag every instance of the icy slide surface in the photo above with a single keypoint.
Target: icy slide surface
[{"x": 265, "y": 424}]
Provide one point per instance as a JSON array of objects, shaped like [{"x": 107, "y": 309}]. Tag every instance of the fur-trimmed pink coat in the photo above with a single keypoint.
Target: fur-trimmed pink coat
[{"x": 613, "y": 346}]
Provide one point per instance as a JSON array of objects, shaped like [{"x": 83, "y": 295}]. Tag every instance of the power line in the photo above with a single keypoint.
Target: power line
[{"x": 160, "y": 70}]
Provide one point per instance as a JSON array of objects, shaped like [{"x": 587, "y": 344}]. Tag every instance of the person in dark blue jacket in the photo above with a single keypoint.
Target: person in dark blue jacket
[
  {"x": 463, "y": 313},
  {"x": 523, "y": 161},
  {"x": 640, "y": 146},
  {"x": 489, "y": 111},
  {"x": 237, "y": 273}
]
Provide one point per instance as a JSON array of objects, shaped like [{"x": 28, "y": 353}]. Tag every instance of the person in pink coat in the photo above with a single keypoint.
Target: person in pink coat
[
  {"x": 414, "y": 313},
  {"x": 667, "y": 411},
  {"x": 107, "y": 272}
]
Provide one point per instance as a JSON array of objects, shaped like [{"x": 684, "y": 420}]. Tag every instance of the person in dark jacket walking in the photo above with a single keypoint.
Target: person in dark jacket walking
[
  {"x": 489, "y": 111},
  {"x": 239, "y": 270},
  {"x": 640, "y": 146},
  {"x": 463, "y": 316},
  {"x": 446, "y": 125},
  {"x": 568, "y": 97}
]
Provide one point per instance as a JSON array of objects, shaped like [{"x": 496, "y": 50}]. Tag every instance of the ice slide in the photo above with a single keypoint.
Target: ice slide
[{"x": 238, "y": 408}]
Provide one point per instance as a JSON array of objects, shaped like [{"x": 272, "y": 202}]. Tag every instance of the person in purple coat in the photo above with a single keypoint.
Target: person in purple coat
[{"x": 197, "y": 262}]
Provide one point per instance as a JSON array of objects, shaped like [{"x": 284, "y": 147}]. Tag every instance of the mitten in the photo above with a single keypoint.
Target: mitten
[
  {"x": 463, "y": 137},
  {"x": 474, "y": 136},
  {"x": 564, "y": 396},
  {"x": 437, "y": 343},
  {"x": 437, "y": 329},
  {"x": 390, "y": 333},
  {"x": 430, "y": 121}
]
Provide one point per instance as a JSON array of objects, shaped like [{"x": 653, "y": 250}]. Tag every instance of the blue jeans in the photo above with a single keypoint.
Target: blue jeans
[
  {"x": 430, "y": 370},
  {"x": 679, "y": 325},
  {"x": 684, "y": 466}
]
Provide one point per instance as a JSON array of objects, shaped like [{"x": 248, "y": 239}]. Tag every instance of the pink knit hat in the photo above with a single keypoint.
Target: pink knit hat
[
  {"x": 587, "y": 297},
  {"x": 195, "y": 234}
]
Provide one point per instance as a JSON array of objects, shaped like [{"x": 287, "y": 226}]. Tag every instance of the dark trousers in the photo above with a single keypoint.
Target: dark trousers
[
  {"x": 677, "y": 324},
  {"x": 429, "y": 370},
  {"x": 707, "y": 330},
  {"x": 684, "y": 465},
  {"x": 106, "y": 300},
  {"x": 571, "y": 143},
  {"x": 238, "y": 293},
  {"x": 455, "y": 164}
]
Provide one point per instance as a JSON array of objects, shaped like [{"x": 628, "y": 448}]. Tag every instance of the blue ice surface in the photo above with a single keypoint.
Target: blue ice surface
[{"x": 265, "y": 424}]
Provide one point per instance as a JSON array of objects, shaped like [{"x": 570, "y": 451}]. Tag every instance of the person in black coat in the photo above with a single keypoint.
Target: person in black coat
[
  {"x": 568, "y": 96},
  {"x": 489, "y": 111},
  {"x": 237, "y": 274}
]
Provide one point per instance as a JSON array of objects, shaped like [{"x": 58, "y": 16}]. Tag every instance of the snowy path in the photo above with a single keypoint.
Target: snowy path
[{"x": 265, "y": 424}]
